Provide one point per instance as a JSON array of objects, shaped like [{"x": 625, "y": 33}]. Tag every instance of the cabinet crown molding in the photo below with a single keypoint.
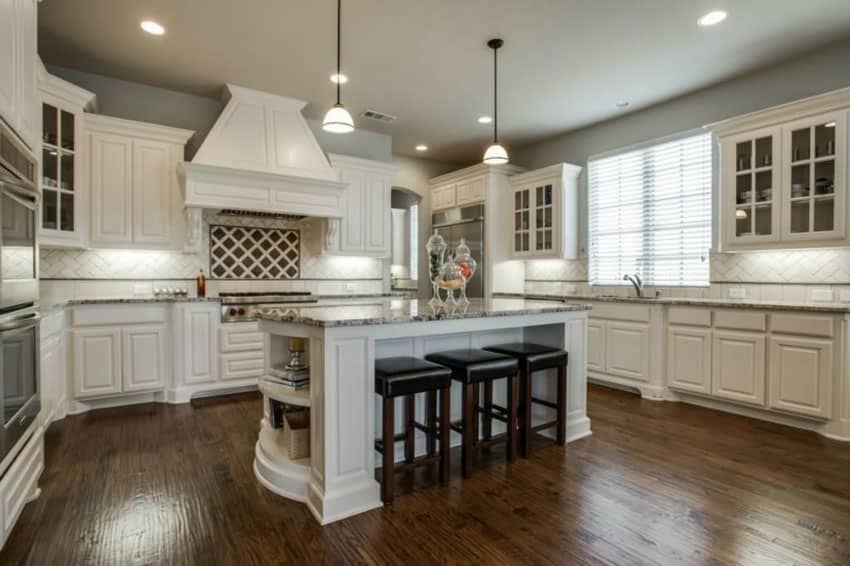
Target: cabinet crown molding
[
  {"x": 144, "y": 130},
  {"x": 339, "y": 161},
  {"x": 65, "y": 91},
  {"x": 557, "y": 170},
  {"x": 476, "y": 171},
  {"x": 811, "y": 106}
]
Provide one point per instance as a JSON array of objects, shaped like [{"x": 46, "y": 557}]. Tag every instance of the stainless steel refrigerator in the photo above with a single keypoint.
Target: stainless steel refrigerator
[{"x": 465, "y": 222}]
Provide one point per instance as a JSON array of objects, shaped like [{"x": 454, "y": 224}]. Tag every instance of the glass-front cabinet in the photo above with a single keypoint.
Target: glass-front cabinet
[
  {"x": 544, "y": 213},
  {"x": 63, "y": 164},
  {"x": 784, "y": 185}
]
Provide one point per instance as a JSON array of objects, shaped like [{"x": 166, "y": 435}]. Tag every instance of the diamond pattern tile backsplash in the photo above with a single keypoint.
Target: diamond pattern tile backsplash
[
  {"x": 174, "y": 265},
  {"x": 238, "y": 252}
]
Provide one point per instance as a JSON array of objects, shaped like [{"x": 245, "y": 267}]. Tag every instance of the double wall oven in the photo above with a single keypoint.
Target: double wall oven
[{"x": 19, "y": 330}]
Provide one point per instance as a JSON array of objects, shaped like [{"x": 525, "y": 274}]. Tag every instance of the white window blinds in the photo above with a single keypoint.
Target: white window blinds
[{"x": 650, "y": 214}]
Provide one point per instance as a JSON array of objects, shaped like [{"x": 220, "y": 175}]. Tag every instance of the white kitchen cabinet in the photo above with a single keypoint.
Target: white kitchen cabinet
[
  {"x": 627, "y": 350},
  {"x": 18, "y": 60},
  {"x": 689, "y": 359},
  {"x": 64, "y": 162},
  {"x": 801, "y": 374},
  {"x": 365, "y": 230},
  {"x": 242, "y": 351},
  {"x": 738, "y": 367},
  {"x": 97, "y": 361},
  {"x": 595, "y": 345},
  {"x": 783, "y": 175},
  {"x": 444, "y": 196},
  {"x": 135, "y": 200},
  {"x": 19, "y": 484},
  {"x": 198, "y": 328},
  {"x": 144, "y": 357},
  {"x": 471, "y": 191},
  {"x": 544, "y": 213}
]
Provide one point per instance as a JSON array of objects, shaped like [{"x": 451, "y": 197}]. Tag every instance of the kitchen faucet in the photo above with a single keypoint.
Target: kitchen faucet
[{"x": 636, "y": 281}]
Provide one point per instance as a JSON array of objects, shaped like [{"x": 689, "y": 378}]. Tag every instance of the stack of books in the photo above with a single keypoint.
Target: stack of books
[{"x": 296, "y": 379}]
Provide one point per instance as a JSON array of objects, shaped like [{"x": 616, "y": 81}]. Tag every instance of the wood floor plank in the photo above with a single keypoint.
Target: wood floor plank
[{"x": 656, "y": 483}]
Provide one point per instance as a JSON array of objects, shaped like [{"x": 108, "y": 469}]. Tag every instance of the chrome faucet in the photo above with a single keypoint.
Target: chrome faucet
[{"x": 636, "y": 281}]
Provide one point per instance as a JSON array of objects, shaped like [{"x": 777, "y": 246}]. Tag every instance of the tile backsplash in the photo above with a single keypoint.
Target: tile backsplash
[
  {"x": 120, "y": 272},
  {"x": 792, "y": 275}
]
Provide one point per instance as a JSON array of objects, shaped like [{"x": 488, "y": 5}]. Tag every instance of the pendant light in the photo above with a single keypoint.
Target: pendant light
[
  {"x": 495, "y": 154},
  {"x": 338, "y": 120}
]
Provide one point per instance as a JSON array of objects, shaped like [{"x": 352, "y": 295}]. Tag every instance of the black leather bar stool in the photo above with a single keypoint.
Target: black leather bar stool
[
  {"x": 405, "y": 377},
  {"x": 532, "y": 358},
  {"x": 473, "y": 367}
]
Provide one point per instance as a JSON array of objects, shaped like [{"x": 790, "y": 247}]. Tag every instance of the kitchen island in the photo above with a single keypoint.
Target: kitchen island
[{"x": 337, "y": 480}]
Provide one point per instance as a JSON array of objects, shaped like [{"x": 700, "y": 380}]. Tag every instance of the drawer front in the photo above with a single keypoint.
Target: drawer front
[
  {"x": 689, "y": 316},
  {"x": 20, "y": 480},
  {"x": 620, "y": 311},
  {"x": 118, "y": 314},
  {"x": 242, "y": 365},
  {"x": 240, "y": 337},
  {"x": 808, "y": 325},
  {"x": 740, "y": 320}
]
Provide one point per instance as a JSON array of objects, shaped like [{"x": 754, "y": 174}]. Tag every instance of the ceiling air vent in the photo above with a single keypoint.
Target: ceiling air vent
[{"x": 379, "y": 116}]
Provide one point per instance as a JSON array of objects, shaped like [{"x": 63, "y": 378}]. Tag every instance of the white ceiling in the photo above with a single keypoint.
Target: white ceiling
[{"x": 565, "y": 63}]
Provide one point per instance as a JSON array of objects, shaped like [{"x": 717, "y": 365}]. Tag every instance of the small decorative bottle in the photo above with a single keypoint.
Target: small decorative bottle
[{"x": 201, "y": 284}]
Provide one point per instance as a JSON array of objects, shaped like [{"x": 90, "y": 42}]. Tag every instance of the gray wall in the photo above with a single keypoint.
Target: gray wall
[
  {"x": 809, "y": 74},
  {"x": 145, "y": 103}
]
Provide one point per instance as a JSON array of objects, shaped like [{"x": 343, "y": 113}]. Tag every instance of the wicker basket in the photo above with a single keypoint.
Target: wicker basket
[{"x": 296, "y": 434}]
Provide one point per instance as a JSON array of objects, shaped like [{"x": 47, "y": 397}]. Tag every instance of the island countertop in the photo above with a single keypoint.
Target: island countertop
[{"x": 400, "y": 310}]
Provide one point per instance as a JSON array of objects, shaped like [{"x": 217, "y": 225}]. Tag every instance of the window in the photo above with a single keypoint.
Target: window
[{"x": 650, "y": 213}]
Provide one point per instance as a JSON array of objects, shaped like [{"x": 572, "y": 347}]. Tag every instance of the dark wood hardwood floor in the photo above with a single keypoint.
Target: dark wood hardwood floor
[{"x": 657, "y": 483}]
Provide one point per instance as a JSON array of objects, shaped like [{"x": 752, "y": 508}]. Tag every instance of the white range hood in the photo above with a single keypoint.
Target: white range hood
[{"x": 261, "y": 156}]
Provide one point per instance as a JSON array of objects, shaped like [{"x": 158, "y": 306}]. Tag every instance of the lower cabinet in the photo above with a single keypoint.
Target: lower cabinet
[
  {"x": 801, "y": 374},
  {"x": 112, "y": 360},
  {"x": 595, "y": 345},
  {"x": 242, "y": 351},
  {"x": 738, "y": 367},
  {"x": 689, "y": 359},
  {"x": 198, "y": 328},
  {"x": 627, "y": 350}
]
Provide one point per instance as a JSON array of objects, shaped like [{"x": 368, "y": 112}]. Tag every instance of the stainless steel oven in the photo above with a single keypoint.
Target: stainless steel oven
[
  {"x": 20, "y": 395},
  {"x": 18, "y": 224}
]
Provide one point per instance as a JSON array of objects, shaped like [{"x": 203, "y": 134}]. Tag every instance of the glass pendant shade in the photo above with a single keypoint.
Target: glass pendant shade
[
  {"x": 338, "y": 120},
  {"x": 495, "y": 155}
]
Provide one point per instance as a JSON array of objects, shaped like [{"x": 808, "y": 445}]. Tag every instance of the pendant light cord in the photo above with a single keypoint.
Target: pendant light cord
[
  {"x": 338, "y": 49},
  {"x": 495, "y": 95}
]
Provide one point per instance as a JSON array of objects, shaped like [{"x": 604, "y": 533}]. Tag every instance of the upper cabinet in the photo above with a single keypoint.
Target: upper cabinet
[
  {"x": 365, "y": 229},
  {"x": 134, "y": 191},
  {"x": 64, "y": 174},
  {"x": 544, "y": 213},
  {"x": 783, "y": 175},
  {"x": 18, "y": 60}
]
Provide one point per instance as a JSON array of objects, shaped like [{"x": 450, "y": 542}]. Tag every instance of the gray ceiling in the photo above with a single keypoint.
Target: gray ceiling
[{"x": 565, "y": 63}]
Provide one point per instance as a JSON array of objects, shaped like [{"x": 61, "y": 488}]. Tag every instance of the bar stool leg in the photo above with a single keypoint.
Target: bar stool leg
[
  {"x": 562, "y": 405},
  {"x": 526, "y": 411},
  {"x": 476, "y": 423},
  {"x": 487, "y": 420},
  {"x": 431, "y": 422},
  {"x": 470, "y": 416},
  {"x": 512, "y": 420},
  {"x": 445, "y": 433},
  {"x": 388, "y": 451},
  {"x": 409, "y": 429}
]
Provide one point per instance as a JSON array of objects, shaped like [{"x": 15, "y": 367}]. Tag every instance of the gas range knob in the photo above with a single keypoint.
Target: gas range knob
[
  {"x": 232, "y": 312},
  {"x": 241, "y": 312}
]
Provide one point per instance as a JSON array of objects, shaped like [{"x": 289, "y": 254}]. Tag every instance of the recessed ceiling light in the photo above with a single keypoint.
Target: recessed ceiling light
[
  {"x": 421, "y": 147},
  {"x": 339, "y": 78},
  {"x": 712, "y": 18},
  {"x": 484, "y": 119},
  {"x": 623, "y": 104},
  {"x": 152, "y": 27}
]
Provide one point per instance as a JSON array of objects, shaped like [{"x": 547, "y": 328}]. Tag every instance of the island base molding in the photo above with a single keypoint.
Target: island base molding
[{"x": 338, "y": 479}]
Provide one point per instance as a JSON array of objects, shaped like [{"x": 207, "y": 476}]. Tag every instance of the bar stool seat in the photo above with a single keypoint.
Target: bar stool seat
[
  {"x": 535, "y": 357},
  {"x": 405, "y": 377},
  {"x": 473, "y": 367}
]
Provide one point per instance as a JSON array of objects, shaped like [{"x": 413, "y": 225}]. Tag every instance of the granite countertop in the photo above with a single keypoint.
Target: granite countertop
[
  {"x": 395, "y": 311},
  {"x": 699, "y": 302}
]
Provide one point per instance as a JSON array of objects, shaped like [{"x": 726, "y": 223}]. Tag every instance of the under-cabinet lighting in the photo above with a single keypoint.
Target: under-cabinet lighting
[{"x": 830, "y": 124}]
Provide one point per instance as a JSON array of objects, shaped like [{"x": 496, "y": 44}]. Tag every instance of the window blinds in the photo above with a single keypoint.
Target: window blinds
[{"x": 650, "y": 214}]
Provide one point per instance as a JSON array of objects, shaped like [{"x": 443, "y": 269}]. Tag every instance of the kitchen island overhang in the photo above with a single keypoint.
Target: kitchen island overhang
[{"x": 342, "y": 343}]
